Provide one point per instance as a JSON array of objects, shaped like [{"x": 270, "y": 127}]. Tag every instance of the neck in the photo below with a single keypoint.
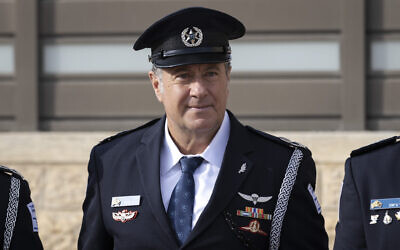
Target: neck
[{"x": 191, "y": 143}]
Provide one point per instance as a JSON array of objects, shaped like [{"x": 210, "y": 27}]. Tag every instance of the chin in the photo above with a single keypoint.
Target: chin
[{"x": 204, "y": 125}]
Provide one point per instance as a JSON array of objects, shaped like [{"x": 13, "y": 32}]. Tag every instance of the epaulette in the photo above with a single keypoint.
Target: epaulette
[
  {"x": 374, "y": 146},
  {"x": 11, "y": 172},
  {"x": 280, "y": 140},
  {"x": 108, "y": 139}
]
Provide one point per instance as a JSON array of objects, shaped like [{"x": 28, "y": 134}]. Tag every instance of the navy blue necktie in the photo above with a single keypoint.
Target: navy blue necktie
[{"x": 180, "y": 208}]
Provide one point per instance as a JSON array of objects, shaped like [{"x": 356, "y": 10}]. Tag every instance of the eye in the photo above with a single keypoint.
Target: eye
[
  {"x": 182, "y": 76},
  {"x": 211, "y": 73}
]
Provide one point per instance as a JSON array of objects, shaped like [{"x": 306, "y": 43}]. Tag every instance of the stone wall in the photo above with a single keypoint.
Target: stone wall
[{"x": 55, "y": 164}]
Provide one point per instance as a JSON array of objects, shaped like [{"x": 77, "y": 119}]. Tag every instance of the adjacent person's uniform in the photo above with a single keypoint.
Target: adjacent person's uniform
[
  {"x": 369, "y": 213},
  {"x": 17, "y": 213}
]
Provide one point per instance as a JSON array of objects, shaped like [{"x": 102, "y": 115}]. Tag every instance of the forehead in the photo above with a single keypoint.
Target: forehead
[{"x": 192, "y": 67}]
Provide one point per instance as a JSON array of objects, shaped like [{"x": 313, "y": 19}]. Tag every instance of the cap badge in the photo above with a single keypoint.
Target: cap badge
[{"x": 192, "y": 37}]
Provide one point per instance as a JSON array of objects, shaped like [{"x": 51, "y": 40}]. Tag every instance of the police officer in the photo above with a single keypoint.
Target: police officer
[
  {"x": 369, "y": 214},
  {"x": 197, "y": 178},
  {"x": 17, "y": 216}
]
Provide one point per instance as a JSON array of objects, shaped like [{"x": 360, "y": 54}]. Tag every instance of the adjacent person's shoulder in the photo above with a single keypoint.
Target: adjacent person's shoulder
[
  {"x": 284, "y": 143},
  {"x": 7, "y": 173},
  {"x": 6, "y": 176},
  {"x": 375, "y": 148}
]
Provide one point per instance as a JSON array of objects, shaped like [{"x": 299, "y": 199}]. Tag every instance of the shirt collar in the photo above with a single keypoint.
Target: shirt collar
[{"x": 214, "y": 153}]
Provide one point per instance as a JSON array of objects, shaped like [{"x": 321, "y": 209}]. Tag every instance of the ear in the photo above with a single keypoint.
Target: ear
[
  {"x": 156, "y": 85},
  {"x": 228, "y": 73}
]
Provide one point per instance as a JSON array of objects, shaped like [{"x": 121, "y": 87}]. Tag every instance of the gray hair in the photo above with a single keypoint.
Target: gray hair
[{"x": 157, "y": 71}]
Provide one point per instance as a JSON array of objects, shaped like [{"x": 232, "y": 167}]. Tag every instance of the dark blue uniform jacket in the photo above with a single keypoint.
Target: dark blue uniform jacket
[
  {"x": 372, "y": 172},
  {"x": 128, "y": 164}
]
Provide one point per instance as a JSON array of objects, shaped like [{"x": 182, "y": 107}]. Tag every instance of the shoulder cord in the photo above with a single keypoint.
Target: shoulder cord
[
  {"x": 283, "y": 198},
  {"x": 12, "y": 211}
]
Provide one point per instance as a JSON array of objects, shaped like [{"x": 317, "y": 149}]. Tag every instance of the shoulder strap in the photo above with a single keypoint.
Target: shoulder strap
[
  {"x": 374, "y": 146},
  {"x": 11, "y": 172},
  {"x": 283, "y": 198},
  {"x": 12, "y": 211}
]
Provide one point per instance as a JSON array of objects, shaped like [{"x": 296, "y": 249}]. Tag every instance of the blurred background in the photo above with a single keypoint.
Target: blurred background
[{"x": 324, "y": 73}]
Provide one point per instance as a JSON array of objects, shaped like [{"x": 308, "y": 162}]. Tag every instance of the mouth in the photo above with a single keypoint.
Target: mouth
[{"x": 200, "y": 108}]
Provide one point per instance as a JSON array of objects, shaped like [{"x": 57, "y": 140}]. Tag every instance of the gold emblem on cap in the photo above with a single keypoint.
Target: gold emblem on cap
[{"x": 192, "y": 37}]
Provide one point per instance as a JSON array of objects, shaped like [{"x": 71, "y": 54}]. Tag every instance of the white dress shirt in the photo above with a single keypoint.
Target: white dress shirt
[{"x": 204, "y": 176}]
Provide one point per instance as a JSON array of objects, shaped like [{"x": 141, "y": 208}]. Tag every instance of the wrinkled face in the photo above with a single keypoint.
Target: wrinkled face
[{"x": 194, "y": 96}]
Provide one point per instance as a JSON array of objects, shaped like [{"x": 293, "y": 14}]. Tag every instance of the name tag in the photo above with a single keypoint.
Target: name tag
[
  {"x": 125, "y": 201},
  {"x": 314, "y": 197},
  {"x": 32, "y": 210},
  {"x": 390, "y": 203}
]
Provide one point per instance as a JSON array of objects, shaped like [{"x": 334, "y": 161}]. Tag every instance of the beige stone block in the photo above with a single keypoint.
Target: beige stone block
[
  {"x": 332, "y": 178},
  {"x": 49, "y": 147},
  {"x": 59, "y": 230},
  {"x": 65, "y": 187}
]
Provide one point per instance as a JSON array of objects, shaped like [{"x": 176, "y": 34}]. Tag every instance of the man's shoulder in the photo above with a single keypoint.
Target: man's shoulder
[
  {"x": 281, "y": 141},
  {"x": 121, "y": 135},
  {"x": 375, "y": 147},
  {"x": 8, "y": 173}
]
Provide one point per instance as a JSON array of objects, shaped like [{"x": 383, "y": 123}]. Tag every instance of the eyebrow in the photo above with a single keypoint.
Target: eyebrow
[
  {"x": 179, "y": 69},
  {"x": 212, "y": 66}
]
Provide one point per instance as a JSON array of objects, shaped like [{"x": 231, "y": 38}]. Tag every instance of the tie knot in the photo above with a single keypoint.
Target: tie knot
[{"x": 189, "y": 165}]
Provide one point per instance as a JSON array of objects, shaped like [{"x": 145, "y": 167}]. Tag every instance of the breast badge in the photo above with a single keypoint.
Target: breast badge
[
  {"x": 397, "y": 214},
  {"x": 255, "y": 198},
  {"x": 374, "y": 219},
  {"x": 254, "y": 227},
  {"x": 124, "y": 215},
  {"x": 242, "y": 168},
  {"x": 387, "y": 219}
]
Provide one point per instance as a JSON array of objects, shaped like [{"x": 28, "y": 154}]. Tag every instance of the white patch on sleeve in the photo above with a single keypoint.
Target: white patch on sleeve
[
  {"x": 314, "y": 197},
  {"x": 32, "y": 210}
]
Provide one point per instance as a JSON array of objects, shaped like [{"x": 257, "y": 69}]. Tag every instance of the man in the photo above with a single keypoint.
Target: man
[
  {"x": 369, "y": 214},
  {"x": 197, "y": 178},
  {"x": 17, "y": 213}
]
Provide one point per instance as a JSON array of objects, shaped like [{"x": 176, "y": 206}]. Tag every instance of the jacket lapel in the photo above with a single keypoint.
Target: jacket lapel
[
  {"x": 230, "y": 178},
  {"x": 148, "y": 162}
]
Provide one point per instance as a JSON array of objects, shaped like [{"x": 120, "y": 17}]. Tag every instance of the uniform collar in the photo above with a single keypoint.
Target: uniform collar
[{"x": 213, "y": 154}]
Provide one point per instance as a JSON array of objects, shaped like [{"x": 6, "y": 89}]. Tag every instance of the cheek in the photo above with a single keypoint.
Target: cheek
[{"x": 175, "y": 96}]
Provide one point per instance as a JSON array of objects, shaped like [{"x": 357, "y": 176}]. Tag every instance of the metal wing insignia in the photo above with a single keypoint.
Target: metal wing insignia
[
  {"x": 246, "y": 197},
  {"x": 264, "y": 199}
]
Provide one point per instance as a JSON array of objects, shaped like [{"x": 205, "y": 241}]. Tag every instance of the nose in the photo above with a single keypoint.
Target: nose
[{"x": 198, "y": 88}]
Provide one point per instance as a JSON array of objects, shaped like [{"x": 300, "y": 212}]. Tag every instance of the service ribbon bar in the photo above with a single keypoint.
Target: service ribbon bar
[
  {"x": 254, "y": 210},
  {"x": 254, "y": 214}
]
